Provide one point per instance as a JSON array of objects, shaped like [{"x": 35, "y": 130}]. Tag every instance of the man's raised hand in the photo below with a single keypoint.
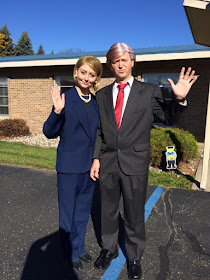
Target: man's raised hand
[{"x": 183, "y": 86}]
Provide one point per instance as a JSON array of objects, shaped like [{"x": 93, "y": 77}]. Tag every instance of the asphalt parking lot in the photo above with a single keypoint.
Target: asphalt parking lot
[{"x": 178, "y": 233}]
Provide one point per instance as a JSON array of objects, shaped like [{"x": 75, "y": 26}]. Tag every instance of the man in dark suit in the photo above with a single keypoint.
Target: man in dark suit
[{"x": 127, "y": 110}]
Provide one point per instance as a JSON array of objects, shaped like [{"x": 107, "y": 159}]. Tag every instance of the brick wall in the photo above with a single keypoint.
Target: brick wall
[
  {"x": 29, "y": 91},
  {"x": 30, "y": 100},
  {"x": 29, "y": 95}
]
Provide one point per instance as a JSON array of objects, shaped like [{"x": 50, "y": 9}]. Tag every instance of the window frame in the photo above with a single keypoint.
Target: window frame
[
  {"x": 174, "y": 76},
  {"x": 4, "y": 84},
  {"x": 168, "y": 98},
  {"x": 58, "y": 79}
]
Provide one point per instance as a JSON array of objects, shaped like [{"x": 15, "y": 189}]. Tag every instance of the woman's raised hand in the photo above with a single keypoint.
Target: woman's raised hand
[{"x": 58, "y": 100}]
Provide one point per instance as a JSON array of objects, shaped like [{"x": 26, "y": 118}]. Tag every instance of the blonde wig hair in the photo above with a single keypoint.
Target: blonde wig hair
[
  {"x": 117, "y": 50},
  {"x": 94, "y": 64}
]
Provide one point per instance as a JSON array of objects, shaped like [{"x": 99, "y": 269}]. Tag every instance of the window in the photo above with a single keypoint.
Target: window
[
  {"x": 64, "y": 82},
  {"x": 162, "y": 81},
  {"x": 3, "y": 96}
]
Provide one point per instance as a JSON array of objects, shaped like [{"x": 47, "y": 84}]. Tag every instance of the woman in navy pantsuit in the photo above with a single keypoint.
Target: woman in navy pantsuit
[{"x": 74, "y": 118}]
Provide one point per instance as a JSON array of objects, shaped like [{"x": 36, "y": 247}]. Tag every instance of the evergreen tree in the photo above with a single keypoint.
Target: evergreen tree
[
  {"x": 9, "y": 49},
  {"x": 40, "y": 50},
  {"x": 24, "y": 45}
]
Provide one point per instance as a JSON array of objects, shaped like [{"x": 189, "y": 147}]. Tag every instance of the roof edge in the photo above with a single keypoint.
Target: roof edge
[{"x": 144, "y": 54}]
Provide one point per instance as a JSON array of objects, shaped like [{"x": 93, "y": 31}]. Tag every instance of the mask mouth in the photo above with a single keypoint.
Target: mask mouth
[{"x": 84, "y": 82}]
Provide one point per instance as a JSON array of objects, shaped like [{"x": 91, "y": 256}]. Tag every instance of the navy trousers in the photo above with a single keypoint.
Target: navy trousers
[{"x": 75, "y": 194}]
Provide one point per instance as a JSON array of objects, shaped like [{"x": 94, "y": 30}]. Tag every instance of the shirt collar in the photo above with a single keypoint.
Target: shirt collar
[{"x": 130, "y": 82}]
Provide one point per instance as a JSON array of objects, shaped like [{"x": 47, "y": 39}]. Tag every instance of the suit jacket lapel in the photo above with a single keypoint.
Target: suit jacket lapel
[
  {"x": 132, "y": 100},
  {"x": 79, "y": 110},
  {"x": 108, "y": 103}
]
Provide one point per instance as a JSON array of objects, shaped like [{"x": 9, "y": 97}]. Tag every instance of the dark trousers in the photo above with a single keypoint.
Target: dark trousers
[
  {"x": 96, "y": 218},
  {"x": 171, "y": 164},
  {"x": 133, "y": 191},
  {"x": 75, "y": 193}
]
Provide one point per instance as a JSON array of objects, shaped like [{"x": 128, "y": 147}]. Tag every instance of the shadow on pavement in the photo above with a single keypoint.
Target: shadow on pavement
[{"x": 45, "y": 260}]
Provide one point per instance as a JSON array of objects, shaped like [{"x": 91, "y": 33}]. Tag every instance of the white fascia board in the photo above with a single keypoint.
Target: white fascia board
[
  {"x": 172, "y": 56},
  {"x": 36, "y": 63},
  {"x": 196, "y": 4},
  {"x": 139, "y": 58}
]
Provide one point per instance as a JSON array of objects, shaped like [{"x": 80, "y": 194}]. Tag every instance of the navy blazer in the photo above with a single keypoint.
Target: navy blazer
[{"x": 77, "y": 136}]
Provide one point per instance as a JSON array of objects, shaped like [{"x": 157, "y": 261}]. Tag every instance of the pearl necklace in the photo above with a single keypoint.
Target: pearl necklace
[{"x": 80, "y": 95}]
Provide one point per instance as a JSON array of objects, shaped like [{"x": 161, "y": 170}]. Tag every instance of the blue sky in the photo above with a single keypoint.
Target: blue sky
[{"x": 96, "y": 25}]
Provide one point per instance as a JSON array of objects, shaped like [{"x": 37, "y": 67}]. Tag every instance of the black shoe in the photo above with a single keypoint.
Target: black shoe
[
  {"x": 86, "y": 258},
  {"x": 104, "y": 259},
  {"x": 134, "y": 270},
  {"x": 77, "y": 264}
]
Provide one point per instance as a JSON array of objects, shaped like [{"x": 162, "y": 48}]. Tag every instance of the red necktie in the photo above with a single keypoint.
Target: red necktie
[{"x": 119, "y": 103}]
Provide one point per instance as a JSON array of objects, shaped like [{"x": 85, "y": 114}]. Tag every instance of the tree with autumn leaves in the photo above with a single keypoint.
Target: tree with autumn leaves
[
  {"x": 3, "y": 43},
  {"x": 7, "y": 46}
]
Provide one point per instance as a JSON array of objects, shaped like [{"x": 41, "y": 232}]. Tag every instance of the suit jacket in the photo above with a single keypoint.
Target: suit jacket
[
  {"x": 130, "y": 145},
  {"x": 77, "y": 136}
]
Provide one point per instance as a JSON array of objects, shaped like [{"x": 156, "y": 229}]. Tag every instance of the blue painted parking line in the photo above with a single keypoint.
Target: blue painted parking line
[
  {"x": 116, "y": 266},
  {"x": 152, "y": 201}
]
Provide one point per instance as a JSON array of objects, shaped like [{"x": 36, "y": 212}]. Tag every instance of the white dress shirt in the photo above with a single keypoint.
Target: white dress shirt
[{"x": 127, "y": 90}]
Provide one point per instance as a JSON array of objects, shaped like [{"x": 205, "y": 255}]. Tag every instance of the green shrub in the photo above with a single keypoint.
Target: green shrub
[
  {"x": 159, "y": 141},
  {"x": 185, "y": 144},
  {"x": 13, "y": 128}
]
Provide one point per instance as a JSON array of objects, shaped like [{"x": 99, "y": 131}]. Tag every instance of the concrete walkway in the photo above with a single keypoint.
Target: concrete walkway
[{"x": 178, "y": 232}]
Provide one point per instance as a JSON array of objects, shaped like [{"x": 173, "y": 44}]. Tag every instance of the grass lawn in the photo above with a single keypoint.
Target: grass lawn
[
  {"x": 25, "y": 155},
  {"x": 44, "y": 158},
  {"x": 166, "y": 179}
]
